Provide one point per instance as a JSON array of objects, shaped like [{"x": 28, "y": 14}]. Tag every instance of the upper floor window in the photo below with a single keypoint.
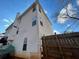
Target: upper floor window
[
  {"x": 39, "y": 10},
  {"x": 34, "y": 9},
  {"x": 17, "y": 31},
  {"x": 16, "y": 28},
  {"x": 41, "y": 23},
  {"x": 33, "y": 22}
]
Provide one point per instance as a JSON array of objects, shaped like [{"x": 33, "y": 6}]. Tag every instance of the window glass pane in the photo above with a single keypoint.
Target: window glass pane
[
  {"x": 41, "y": 23},
  {"x": 34, "y": 23},
  {"x": 17, "y": 31},
  {"x": 34, "y": 9},
  {"x": 25, "y": 41},
  {"x": 39, "y": 10},
  {"x": 24, "y": 47},
  {"x": 25, "y": 44}
]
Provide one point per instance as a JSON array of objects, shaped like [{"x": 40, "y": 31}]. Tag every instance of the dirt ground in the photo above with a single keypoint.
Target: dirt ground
[
  {"x": 15, "y": 58},
  {"x": 9, "y": 57}
]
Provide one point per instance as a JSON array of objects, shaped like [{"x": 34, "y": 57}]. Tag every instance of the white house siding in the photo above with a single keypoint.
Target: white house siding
[
  {"x": 11, "y": 33},
  {"x": 46, "y": 29},
  {"x": 26, "y": 30},
  {"x": 43, "y": 30}
]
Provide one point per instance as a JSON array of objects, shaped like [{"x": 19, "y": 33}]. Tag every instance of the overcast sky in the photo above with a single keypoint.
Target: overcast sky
[{"x": 9, "y": 9}]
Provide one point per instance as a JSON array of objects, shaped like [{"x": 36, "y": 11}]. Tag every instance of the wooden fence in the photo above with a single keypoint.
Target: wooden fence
[{"x": 62, "y": 46}]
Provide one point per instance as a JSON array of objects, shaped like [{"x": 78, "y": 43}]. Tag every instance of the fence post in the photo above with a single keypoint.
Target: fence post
[
  {"x": 44, "y": 48},
  {"x": 59, "y": 46}
]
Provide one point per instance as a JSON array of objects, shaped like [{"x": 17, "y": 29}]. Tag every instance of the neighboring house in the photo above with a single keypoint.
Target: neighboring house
[
  {"x": 2, "y": 35},
  {"x": 27, "y": 30}
]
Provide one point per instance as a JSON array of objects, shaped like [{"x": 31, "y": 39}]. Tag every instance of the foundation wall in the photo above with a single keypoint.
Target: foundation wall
[{"x": 28, "y": 55}]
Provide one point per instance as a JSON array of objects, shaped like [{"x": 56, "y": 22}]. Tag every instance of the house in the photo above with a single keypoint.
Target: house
[
  {"x": 2, "y": 35},
  {"x": 26, "y": 31}
]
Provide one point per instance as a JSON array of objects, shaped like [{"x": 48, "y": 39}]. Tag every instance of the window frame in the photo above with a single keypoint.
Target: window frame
[
  {"x": 41, "y": 23},
  {"x": 34, "y": 9},
  {"x": 25, "y": 44},
  {"x": 39, "y": 10},
  {"x": 34, "y": 22}
]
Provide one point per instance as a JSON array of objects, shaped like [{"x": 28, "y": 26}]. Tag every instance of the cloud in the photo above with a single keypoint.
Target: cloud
[
  {"x": 71, "y": 10},
  {"x": 6, "y": 25},
  {"x": 6, "y": 20},
  {"x": 61, "y": 20},
  {"x": 68, "y": 25},
  {"x": 11, "y": 20},
  {"x": 57, "y": 32},
  {"x": 77, "y": 1},
  {"x": 62, "y": 17},
  {"x": 45, "y": 11},
  {"x": 69, "y": 7}
]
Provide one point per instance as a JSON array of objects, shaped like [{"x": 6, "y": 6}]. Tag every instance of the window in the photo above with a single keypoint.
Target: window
[
  {"x": 17, "y": 31},
  {"x": 33, "y": 22},
  {"x": 24, "y": 47},
  {"x": 15, "y": 26},
  {"x": 39, "y": 10},
  {"x": 34, "y": 9},
  {"x": 25, "y": 44},
  {"x": 41, "y": 23}
]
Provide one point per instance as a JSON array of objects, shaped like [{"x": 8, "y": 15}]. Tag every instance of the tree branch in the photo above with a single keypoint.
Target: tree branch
[{"x": 71, "y": 16}]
